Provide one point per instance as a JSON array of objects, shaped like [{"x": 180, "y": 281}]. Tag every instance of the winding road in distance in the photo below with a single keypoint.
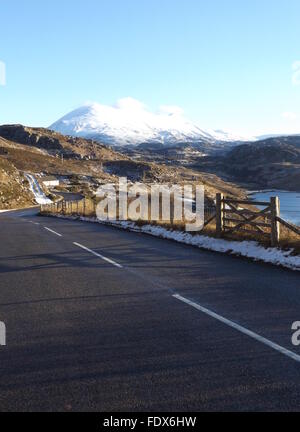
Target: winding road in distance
[{"x": 100, "y": 319}]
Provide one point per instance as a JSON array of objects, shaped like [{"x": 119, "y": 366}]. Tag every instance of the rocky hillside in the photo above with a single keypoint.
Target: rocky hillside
[
  {"x": 14, "y": 191},
  {"x": 56, "y": 144},
  {"x": 274, "y": 162},
  {"x": 273, "y": 150},
  {"x": 269, "y": 163},
  {"x": 81, "y": 166}
]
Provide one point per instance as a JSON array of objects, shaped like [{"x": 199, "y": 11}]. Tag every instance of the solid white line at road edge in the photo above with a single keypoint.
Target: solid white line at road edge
[
  {"x": 53, "y": 232},
  {"x": 98, "y": 255},
  {"x": 241, "y": 329}
]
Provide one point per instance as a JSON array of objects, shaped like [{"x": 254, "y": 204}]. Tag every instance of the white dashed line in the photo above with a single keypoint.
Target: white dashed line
[
  {"x": 98, "y": 255},
  {"x": 241, "y": 329},
  {"x": 53, "y": 232}
]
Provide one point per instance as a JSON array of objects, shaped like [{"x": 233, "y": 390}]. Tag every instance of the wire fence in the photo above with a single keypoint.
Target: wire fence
[
  {"x": 87, "y": 207},
  {"x": 226, "y": 217}
]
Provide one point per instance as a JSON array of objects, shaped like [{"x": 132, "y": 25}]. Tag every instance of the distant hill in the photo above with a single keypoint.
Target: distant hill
[
  {"x": 269, "y": 163},
  {"x": 271, "y": 150}
]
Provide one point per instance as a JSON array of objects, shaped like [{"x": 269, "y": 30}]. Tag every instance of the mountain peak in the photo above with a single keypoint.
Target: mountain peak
[{"x": 130, "y": 122}]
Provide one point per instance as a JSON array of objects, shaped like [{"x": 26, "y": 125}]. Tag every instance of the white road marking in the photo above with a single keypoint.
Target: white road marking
[
  {"x": 34, "y": 223},
  {"x": 53, "y": 232},
  {"x": 241, "y": 329},
  {"x": 98, "y": 255}
]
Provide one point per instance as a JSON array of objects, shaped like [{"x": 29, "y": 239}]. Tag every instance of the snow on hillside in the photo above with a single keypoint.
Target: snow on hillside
[
  {"x": 35, "y": 188},
  {"x": 131, "y": 123}
]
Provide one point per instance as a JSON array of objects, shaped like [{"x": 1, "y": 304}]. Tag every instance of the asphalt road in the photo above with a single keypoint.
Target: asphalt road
[
  {"x": 95, "y": 326},
  {"x": 69, "y": 196}
]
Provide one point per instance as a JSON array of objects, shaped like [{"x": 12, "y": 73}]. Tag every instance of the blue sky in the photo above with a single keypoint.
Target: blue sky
[{"x": 227, "y": 64}]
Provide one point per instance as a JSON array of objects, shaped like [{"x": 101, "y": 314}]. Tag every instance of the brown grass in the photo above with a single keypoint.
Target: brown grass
[{"x": 13, "y": 187}]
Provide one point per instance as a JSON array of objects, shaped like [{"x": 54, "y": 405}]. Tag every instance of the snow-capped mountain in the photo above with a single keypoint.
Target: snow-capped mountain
[{"x": 130, "y": 123}]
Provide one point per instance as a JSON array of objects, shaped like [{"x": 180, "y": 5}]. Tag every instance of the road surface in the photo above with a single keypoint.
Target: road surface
[
  {"x": 100, "y": 319},
  {"x": 69, "y": 196}
]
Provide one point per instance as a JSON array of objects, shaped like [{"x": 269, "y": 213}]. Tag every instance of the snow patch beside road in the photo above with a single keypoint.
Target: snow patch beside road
[
  {"x": 35, "y": 188},
  {"x": 248, "y": 249}
]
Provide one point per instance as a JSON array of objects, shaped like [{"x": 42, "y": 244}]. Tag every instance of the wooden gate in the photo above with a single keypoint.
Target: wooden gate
[{"x": 232, "y": 216}]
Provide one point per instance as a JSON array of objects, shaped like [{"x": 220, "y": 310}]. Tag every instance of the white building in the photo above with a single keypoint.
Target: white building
[{"x": 50, "y": 181}]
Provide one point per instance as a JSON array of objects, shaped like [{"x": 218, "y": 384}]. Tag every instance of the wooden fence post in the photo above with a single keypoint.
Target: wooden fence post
[
  {"x": 275, "y": 213},
  {"x": 219, "y": 214},
  {"x": 172, "y": 209}
]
